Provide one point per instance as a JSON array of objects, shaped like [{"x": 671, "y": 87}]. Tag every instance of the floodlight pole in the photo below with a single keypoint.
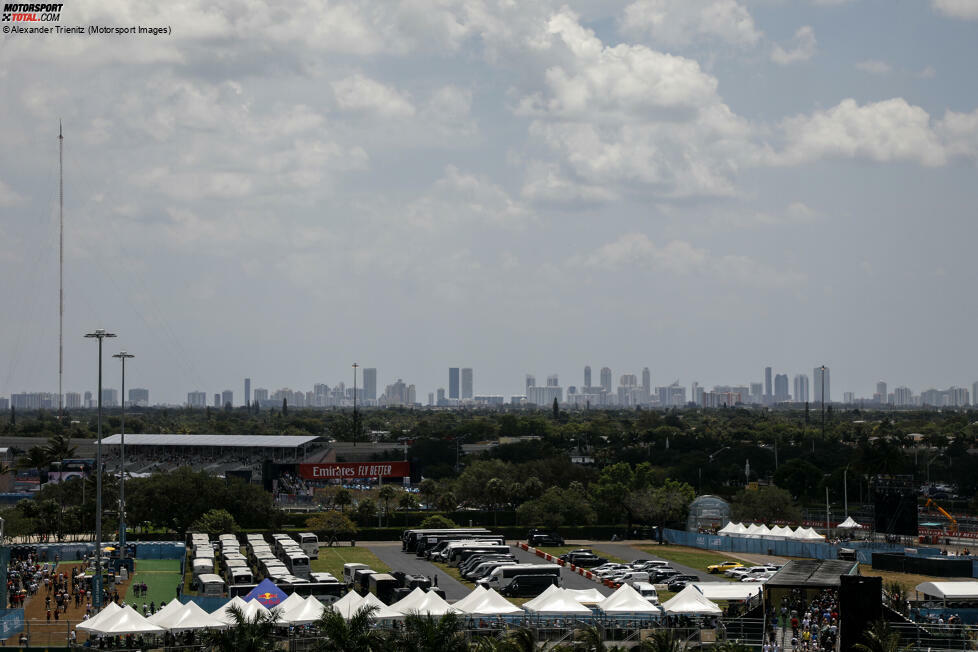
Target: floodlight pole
[
  {"x": 100, "y": 334},
  {"x": 355, "y": 365},
  {"x": 122, "y": 355}
]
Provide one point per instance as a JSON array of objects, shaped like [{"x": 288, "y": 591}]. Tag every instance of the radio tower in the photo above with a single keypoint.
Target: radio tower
[{"x": 61, "y": 271}]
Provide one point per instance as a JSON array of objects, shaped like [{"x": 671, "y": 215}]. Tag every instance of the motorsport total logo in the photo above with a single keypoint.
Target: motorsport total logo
[{"x": 31, "y": 13}]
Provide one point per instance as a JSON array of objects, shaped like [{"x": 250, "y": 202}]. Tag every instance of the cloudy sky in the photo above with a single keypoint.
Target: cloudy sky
[{"x": 703, "y": 187}]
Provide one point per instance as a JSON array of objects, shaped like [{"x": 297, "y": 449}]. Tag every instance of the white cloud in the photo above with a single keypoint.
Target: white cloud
[
  {"x": 466, "y": 198},
  {"x": 967, "y": 9},
  {"x": 960, "y": 132},
  {"x": 874, "y": 67},
  {"x": 680, "y": 22},
  {"x": 793, "y": 214},
  {"x": 547, "y": 182},
  {"x": 892, "y": 130},
  {"x": 8, "y": 197},
  {"x": 927, "y": 73},
  {"x": 802, "y": 48},
  {"x": 635, "y": 251},
  {"x": 360, "y": 93}
]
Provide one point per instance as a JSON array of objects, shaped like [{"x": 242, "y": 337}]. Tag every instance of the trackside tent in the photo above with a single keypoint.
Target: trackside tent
[
  {"x": 189, "y": 616},
  {"x": 849, "y": 524},
  {"x": 472, "y": 599},
  {"x": 382, "y": 611},
  {"x": 690, "y": 602},
  {"x": 950, "y": 590},
  {"x": 627, "y": 601},
  {"x": 125, "y": 621},
  {"x": 348, "y": 605},
  {"x": 558, "y": 603},
  {"x": 267, "y": 594},
  {"x": 160, "y": 616},
  {"x": 109, "y": 610},
  {"x": 585, "y": 596},
  {"x": 423, "y": 602},
  {"x": 307, "y": 612},
  {"x": 224, "y": 613},
  {"x": 714, "y": 591},
  {"x": 493, "y": 604},
  {"x": 291, "y": 602}
]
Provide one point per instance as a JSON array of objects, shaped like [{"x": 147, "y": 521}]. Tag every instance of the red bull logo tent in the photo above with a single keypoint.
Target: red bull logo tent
[{"x": 267, "y": 594}]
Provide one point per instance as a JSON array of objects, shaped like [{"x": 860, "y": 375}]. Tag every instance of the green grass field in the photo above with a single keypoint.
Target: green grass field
[
  {"x": 331, "y": 560},
  {"x": 161, "y": 577}
]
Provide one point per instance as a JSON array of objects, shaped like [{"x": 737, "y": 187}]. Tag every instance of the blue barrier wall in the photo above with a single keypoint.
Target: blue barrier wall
[
  {"x": 779, "y": 547},
  {"x": 11, "y": 622},
  {"x": 161, "y": 550}
]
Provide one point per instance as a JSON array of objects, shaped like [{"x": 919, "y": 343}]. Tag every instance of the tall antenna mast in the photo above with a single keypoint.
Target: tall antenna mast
[{"x": 61, "y": 270}]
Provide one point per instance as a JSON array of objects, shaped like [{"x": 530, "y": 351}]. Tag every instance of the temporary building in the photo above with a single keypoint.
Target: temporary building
[
  {"x": 291, "y": 602},
  {"x": 267, "y": 594},
  {"x": 160, "y": 616},
  {"x": 381, "y": 611},
  {"x": 308, "y": 611},
  {"x": 109, "y": 610},
  {"x": 224, "y": 613},
  {"x": 125, "y": 621},
  {"x": 348, "y": 605},
  {"x": 780, "y": 532},
  {"x": 738, "y": 530},
  {"x": 423, "y": 602},
  {"x": 728, "y": 590},
  {"x": 556, "y": 603},
  {"x": 849, "y": 524},
  {"x": 253, "y": 608},
  {"x": 472, "y": 599},
  {"x": 187, "y": 616},
  {"x": 585, "y": 596},
  {"x": 493, "y": 604},
  {"x": 950, "y": 590},
  {"x": 727, "y": 529},
  {"x": 553, "y": 589},
  {"x": 691, "y": 602},
  {"x": 627, "y": 600}
]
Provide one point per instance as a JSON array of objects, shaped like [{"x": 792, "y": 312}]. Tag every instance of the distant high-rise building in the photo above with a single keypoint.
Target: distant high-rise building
[
  {"x": 466, "y": 382},
  {"x": 217, "y": 400},
  {"x": 247, "y": 394},
  {"x": 817, "y": 385},
  {"x": 4, "y": 404},
  {"x": 431, "y": 398},
  {"x": 441, "y": 396},
  {"x": 370, "y": 383},
  {"x": 801, "y": 388},
  {"x": 647, "y": 379},
  {"x": 196, "y": 399},
  {"x": 880, "y": 395},
  {"x": 72, "y": 400},
  {"x": 88, "y": 400},
  {"x": 227, "y": 398},
  {"x": 587, "y": 376},
  {"x": 261, "y": 396},
  {"x": 757, "y": 393},
  {"x": 553, "y": 381},
  {"x": 110, "y": 397},
  {"x": 453, "y": 382},
  {"x": 768, "y": 392},
  {"x": 781, "y": 394},
  {"x": 847, "y": 397},
  {"x": 138, "y": 397},
  {"x": 902, "y": 396},
  {"x": 606, "y": 379},
  {"x": 531, "y": 381},
  {"x": 544, "y": 396},
  {"x": 696, "y": 393},
  {"x": 974, "y": 393},
  {"x": 672, "y": 396}
]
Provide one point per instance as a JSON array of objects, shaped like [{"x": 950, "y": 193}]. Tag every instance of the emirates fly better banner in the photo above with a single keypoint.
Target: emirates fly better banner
[{"x": 350, "y": 470}]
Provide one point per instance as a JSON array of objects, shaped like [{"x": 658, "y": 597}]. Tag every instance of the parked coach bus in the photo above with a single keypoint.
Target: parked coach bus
[{"x": 310, "y": 544}]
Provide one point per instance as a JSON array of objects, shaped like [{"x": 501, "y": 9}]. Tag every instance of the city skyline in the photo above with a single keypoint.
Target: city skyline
[{"x": 706, "y": 187}]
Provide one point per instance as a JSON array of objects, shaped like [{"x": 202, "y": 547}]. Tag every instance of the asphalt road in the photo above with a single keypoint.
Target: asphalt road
[
  {"x": 569, "y": 580},
  {"x": 629, "y": 553},
  {"x": 390, "y": 553}
]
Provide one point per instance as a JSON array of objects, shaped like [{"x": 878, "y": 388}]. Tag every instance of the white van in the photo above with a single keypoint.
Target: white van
[
  {"x": 349, "y": 570},
  {"x": 211, "y": 585},
  {"x": 647, "y": 591},
  {"x": 298, "y": 564},
  {"x": 310, "y": 544},
  {"x": 502, "y": 575}
]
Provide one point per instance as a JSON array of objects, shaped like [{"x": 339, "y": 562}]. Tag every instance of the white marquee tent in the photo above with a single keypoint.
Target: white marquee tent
[
  {"x": 556, "y": 603},
  {"x": 472, "y": 599},
  {"x": 290, "y": 602},
  {"x": 627, "y": 600},
  {"x": 107, "y": 611},
  {"x": 950, "y": 590},
  {"x": 728, "y": 590},
  {"x": 691, "y": 602},
  {"x": 170, "y": 607},
  {"x": 849, "y": 524},
  {"x": 308, "y": 611},
  {"x": 423, "y": 602},
  {"x": 493, "y": 604},
  {"x": 187, "y": 616},
  {"x": 585, "y": 596},
  {"x": 125, "y": 621}
]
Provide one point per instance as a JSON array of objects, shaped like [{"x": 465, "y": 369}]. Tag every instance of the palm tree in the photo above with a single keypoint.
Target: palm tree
[
  {"x": 407, "y": 502},
  {"x": 59, "y": 447},
  {"x": 342, "y": 498},
  {"x": 244, "y": 635},
  {"x": 663, "y": 640},
  {"x": 429, "y": 634},
  {"x": 387, "y": 494},
  {"x": 354, "y": 635},
  {"x": 880, "y": 637}
]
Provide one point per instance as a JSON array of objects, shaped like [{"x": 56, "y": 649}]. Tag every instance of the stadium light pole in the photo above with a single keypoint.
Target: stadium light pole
[
  {"x": 823, "y": 402},
  {"x": 99, "y": 334},
  {"x": 355, "y": 365},
  {"x": 123, "y": 355}
]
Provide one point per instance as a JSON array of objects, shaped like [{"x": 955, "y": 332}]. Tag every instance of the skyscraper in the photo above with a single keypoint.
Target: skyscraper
[
  {"x": 606, "y": 379},
  {"x": 974, "y": 393},
  {"x": 531, "y": 381},
  {"x": 553, "y": 380},
  {"x": 647, "y": 379},
  {"x": 370, "y": 383},
  {"x": 227, "y": 398},
  {"x": 902, "y": 396},
  {"x": 110, "y": 397},
  {"x": 441, "y": 396},
  {"x": 801, "y": 388},
  {"x": 768, "y": 394},
  {"x": 466, "y": 382},
  {"x": 817, "y": 385},
  {"x": 217, "y": 400},
  {"x": 587, "y": 376},
  {"x": 781, "y": 388},
  {"x": 247, "y": 396},
  {"x": 138, "y": 397},
  {"x": 880, "y": 395},
  {"x": 757, "y": 393},
  {"x": 453, "y": 382}
]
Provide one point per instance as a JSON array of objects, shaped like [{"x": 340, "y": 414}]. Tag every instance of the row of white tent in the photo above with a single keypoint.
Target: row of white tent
[
  {"x": 759, "y": 530},
  {"x": 114, "y": 620}
]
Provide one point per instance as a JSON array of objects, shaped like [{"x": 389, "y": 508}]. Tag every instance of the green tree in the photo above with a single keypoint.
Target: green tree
[
  {"x": 244, "y": 634},
  {"x": 333, "y": 525},
  {"x": 556, "y": 409},
  {"x": 407, "y": 502},
  {"x": 215, "y": 521},
  {"x": 880, "y": 637},
  {"x": 354, "y": 635},
  {"x": 342, "y": 499},
  {"x": 366, "y": 511},
  {"x": 764, "y": 505},
  {"x": 438, "y": 522},
  {"x": 386, "y": 494},
  {"x": 429, "y": 634},
  {"x": 800, "y": 477}
]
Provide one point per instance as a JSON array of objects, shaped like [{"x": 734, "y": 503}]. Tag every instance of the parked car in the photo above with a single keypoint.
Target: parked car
[
  {"x": 543, "y": 540},
  {"x": 647, "y": 591},
  {"x": 678, "y": 582},
  {"x": 528, "y": 586},
  {"x": 723, "y": 566},
  {"x": 662, "y": 575}
]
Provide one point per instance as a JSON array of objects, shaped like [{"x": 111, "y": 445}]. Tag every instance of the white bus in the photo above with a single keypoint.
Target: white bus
[
  {"x": 298, "y": 564},
  {"x": 309, "y": 543},
  {"x": 211, "y": 585},
  {"x": 238, "y": 576}
]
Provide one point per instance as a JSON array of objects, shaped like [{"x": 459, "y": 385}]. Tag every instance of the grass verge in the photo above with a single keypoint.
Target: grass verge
[{"x": 331, "y": 560}]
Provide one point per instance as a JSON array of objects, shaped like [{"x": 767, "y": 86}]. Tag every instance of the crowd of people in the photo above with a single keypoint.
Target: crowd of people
[{"x": 812, "y": 626}]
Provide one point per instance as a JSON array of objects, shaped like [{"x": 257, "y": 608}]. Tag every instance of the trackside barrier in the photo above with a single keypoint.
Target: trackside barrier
[{"x": 574, "y": 569}]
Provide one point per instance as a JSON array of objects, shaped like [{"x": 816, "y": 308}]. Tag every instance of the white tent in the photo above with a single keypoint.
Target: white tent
[
  {"x": 160, "y": 616},
  {"x": 107, "y": 611},
  {"x": 382, "y": 612},
  {"x": 493, "y": 604},
  {"x": 780, "y": 532},
  {"x": 799, "y": 534},
  {"x": 557, "y": 603},
  {"x": 553, "y": 589},
  {"x": 348, "y": 605},
  {"x": 253, "y": 607},
  {"x": 423, "y": 602},
  {"x": 585, "y": 596},
  {"x": 290, "y": 602},
  {"x": 811, "y": 535},
  {"x": 472, "y": 599},
  {"x": 125, "y": 621},
  {"x": 223, "y": 613},
  {"x": 849, "y": 524},
  {"x": 188, "y": 616},
  {"x": 627, "y": 600},
  {"x": 729, "y": 528},
  {"x": 307, "y": 611},
  {"x": 950, "y": 590},
  {"x": 691, "y": 602},
  {"x": 738, "y": 530},
  {"x": 728, "y": 590}
]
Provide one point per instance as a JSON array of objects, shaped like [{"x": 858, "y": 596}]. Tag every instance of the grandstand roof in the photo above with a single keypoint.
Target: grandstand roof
[
  {"x": 811, "y": 573},
  {"x": 223, "y": 441}
]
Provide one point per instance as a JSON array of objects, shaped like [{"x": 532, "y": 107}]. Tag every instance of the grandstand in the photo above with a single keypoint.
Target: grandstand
[{"x": 215, "y": 454}]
